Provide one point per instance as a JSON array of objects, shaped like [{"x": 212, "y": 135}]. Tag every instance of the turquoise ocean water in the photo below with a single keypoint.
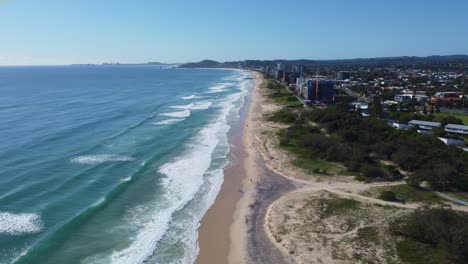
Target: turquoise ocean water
[{"x": 111, "y": 164}]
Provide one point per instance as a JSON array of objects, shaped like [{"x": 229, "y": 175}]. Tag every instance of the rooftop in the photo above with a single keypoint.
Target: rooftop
[
  {"x": 424, "y": 123},
  {"x": 453, "y": 126}
]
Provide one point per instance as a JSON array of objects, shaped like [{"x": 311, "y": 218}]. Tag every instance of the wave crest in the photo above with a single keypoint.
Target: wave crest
[
  {"x": 181, "y": 114},
  {"x": 219, "y": 87},
  {"x": 96, "y": 159},
  {"x": 194, "y": 106},
  {"x": 193, "y": 96},
  {"x": 167, "y": 122}
]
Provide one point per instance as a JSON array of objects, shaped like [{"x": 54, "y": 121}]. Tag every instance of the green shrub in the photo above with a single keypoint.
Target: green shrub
[
  {"x": 372, "y": 172},
  {"x": 443, "y": 230},
  {"x": 388, "y": 196},
  {"x": 283, "y": 116}
]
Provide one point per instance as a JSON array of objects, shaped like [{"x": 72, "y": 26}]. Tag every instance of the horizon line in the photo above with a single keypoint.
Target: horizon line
[{"x": 149, "y": 63}]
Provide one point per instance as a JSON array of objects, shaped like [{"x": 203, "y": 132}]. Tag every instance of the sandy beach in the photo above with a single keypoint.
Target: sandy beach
[
  {"x": 232, "y": 230},
  {"x": 214, "y": 233}
]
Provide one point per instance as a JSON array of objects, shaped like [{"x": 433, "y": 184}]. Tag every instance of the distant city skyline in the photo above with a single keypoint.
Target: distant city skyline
[{"x": 56, "y": 32}]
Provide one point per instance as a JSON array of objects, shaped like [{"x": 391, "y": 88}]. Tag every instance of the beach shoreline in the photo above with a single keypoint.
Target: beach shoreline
[
  {"x": 214, "y": 232},
  {"x": 232, "y": 229}
]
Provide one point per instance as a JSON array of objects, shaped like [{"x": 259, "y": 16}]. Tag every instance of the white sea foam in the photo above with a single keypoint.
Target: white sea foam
[
  {"x": 96, "y": 159},
  {"x": 168, "y": 121},
  {"x": 189, "y": 226},
  {"x": 189, "y": 97},
  {"x": 127, "y": 179},
  {"x": 99, "y": 202},
  {"x": 181, "y": 114},
  {"x": 219, "y": 87},
  {"x": 20, "y": 224},
  {"x": 194, "y": 106},
  {"x": 185, "y": 107},
  {"x": 201, "y": 106},
  {"x": 185, "y": 176},
  {"x": 193, "y": 96}
]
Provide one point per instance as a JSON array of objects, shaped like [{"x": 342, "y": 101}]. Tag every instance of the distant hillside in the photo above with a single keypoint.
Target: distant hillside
[
  {"x": 126, "y": 64},
  {"x": 210, "y": 64},
  {"x": 403, "y": 60}
]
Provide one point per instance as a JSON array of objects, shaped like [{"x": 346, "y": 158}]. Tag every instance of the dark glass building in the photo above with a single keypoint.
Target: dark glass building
[
  {"x": 343, "y": 75},
  {"x": 324, "y": 93}
]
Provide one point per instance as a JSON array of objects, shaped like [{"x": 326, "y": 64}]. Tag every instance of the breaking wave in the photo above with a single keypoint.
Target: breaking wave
[
  {"x": 96, "y": 159},
  {"x": 181, "y": 114},
  {"x": 167, "y": 122}
]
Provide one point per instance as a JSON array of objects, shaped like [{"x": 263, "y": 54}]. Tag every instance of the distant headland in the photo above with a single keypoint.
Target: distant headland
[{"x": 401, "y": 60}]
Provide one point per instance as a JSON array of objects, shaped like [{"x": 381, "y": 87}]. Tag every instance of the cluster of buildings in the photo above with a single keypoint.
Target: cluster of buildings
[
  {"x": 404, "y": 87},
  {"x": 407, "y": 95},
  {"x": 395, "y": 86},
  {"x": 412, "y": 85},
  {"x": 410, "y": 95},
  {"x": 314, "y": 89},
  {"x": 455, "y": 133}
]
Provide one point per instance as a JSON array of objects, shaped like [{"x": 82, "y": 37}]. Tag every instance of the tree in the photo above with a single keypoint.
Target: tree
[
  {"x": 450, "y": 120},
  {"x": 342, "y": 107},
  {"x": 437, "y": 106},
  {"x": 412, "y": 104},
  {"x": 377, "y": 109}
]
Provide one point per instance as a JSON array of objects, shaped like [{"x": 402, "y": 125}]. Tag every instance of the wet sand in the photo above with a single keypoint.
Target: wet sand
[
  {"x": 233, "y": 231},
  {"x": 214, "y": 233}
]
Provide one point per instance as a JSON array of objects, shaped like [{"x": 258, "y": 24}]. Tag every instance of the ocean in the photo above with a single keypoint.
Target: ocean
[{"x": 111, "y": 164}]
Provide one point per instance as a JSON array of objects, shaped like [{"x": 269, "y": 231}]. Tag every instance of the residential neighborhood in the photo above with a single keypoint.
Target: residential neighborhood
[{"x": 435, "y": 96}]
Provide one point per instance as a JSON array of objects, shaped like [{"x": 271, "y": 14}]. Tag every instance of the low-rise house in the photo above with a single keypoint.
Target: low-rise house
[
  {"x": 425, "y": 132},
  {"x": 403, "y": 97},
  {"x": 452, "y": 142},
  {"x": 448, "y": 97},
  {"x": 421, "y": 97},
  {"x": 425, "y": 125},
  {"x": 401, "y": 126},
  {"x": 457, "y": 129}
]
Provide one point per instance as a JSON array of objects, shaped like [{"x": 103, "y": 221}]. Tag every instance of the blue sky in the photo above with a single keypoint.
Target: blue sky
[{"x": 94, "y": 31}]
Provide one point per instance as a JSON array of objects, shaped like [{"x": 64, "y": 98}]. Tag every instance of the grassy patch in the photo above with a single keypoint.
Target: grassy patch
[
  {"x": 368, "y": 234},
  {"x": 459, "y": 195},
  {"x": 388, "y": 196},
  {"x": 283, "y": 116},
  {"x": 346, "y": 172},
  {"x": 386, "y": 207},
  {"x": 337, "y": 206},
  {"x": 279, "y": 94},
  {"x": 463, "y": 117},
  {"x": 409, "y": 193},
  {"x": 361, "y": 178},
  {"x": 432, "y": 235},
  {"x": 413, "y": 252},
  {"x": 304, "y": 158},
  {"x": 313, "y": 165},
  {"x": 286, "y": 98}
]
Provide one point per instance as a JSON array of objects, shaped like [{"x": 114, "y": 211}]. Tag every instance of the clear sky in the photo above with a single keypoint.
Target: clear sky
[{"x": 95, "y": 31}]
